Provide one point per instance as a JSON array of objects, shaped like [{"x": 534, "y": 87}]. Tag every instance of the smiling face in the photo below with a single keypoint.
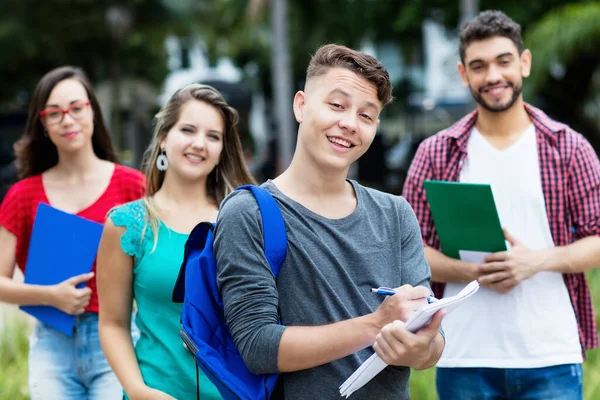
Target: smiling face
[
  {"x": 194, "y": 144},
  {"x": 493, "y": 70},
  {"x": 73, "y": 130},
  {"x": 338, "y": 115}
]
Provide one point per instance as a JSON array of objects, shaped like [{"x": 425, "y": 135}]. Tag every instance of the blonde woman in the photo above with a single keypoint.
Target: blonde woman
[{"x": 195, "y": 159}]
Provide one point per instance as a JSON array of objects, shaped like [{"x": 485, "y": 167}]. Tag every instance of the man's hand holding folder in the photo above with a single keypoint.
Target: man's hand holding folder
[
  {"x": 502, "y": 271},
  {"x": 395, "y": 344},
  {"x": 412, "y": 338},
  {"x": 70, "y": 299}
]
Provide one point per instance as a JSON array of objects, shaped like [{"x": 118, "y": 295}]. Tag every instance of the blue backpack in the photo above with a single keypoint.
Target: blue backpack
[{"x": 204, "y": 329}]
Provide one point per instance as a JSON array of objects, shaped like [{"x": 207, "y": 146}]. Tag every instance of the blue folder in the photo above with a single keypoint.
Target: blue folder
[{"x": 62, "y": 245}]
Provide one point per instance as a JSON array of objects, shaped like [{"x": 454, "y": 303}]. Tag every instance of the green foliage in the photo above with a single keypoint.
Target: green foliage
[
  {"x": 422, "y": 384},
  {"x": 561, "y": 36},
  {"x": 591, "y": 376},
  {"x": 14, "y": 348},
  {"x": 37, "y": 36},
  {"x": 228, "y": 32}
]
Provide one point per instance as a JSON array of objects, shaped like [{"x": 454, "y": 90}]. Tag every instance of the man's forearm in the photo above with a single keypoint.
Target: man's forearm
[
  {"x": 579, "y": 256},
  {"x": 303, "y": 347},
  {"x": 446, "y": 269}
]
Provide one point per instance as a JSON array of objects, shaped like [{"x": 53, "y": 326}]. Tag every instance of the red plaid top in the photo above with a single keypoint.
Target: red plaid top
[{"x": 570, "y": 176}]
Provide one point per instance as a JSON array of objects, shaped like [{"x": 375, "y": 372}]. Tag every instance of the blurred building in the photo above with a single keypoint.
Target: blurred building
[
  {"x": 188, "y": 63},
  {"x": 430, "y": 97},
  {"x": 138, "y": 101}
]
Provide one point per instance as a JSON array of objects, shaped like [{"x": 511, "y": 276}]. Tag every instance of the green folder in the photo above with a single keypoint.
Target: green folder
[{"x": 465, "y": 217}]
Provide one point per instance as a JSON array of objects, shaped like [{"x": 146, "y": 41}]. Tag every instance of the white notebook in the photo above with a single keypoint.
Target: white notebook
[{"x": 374, "y": 365}]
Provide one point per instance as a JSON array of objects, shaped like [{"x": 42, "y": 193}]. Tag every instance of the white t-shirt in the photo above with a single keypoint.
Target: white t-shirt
[{"x": 534, "y": 324}]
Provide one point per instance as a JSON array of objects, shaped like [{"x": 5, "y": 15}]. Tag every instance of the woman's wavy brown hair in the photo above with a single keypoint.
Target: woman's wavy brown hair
[
  {"x": 35, "y": 151},
  {"x": 231, "y": 171}
]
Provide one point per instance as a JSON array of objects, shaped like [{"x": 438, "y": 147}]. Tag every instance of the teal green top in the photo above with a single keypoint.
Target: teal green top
[{"x": 164, "y": 363}]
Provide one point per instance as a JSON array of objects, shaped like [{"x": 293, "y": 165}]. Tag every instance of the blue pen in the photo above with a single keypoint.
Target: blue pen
[
  {"x": 390, "y": 292},
  {"x": 386, "y": 291}
]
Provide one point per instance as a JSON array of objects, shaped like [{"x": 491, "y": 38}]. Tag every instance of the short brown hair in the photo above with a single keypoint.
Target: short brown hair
[
  {"x": 486, "y": 25},
  {"x": 333, "y": 55}
]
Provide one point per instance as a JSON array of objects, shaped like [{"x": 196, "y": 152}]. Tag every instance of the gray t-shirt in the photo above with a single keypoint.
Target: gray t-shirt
[{"x": 330, "y": 267}]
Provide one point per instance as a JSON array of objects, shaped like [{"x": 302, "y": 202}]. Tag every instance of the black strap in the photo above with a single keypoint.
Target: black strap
[{"x": 197, "y": 383}]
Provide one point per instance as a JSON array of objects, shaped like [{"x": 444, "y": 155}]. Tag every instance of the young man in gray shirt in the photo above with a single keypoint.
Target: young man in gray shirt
[{"x": 343, "y": 239}]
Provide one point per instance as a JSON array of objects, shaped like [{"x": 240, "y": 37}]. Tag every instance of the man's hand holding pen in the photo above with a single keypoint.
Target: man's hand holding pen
[{"x": 404, "y": 302}]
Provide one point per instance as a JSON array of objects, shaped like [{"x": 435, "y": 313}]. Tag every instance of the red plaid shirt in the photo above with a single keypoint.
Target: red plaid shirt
[{"x": 570, "y": 175}]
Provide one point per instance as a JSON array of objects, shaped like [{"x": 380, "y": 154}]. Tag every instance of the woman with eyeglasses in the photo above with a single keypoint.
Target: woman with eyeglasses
[{"x": 65, "y": 159}]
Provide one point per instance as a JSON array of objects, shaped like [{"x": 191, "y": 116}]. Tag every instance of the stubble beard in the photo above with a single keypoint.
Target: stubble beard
[{"x": 497, "y": 108}]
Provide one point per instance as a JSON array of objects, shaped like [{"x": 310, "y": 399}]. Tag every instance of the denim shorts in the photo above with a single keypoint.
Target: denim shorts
[
  {"x": 560, "y": 382},
  {"x": 69, "y": 368}
]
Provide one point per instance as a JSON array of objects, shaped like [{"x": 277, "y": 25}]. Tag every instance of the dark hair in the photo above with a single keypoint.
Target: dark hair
[
  {"x": 35, "y": 151},
  {"x": 333, "y": 55},
  {"x": 489, "y": 24}
]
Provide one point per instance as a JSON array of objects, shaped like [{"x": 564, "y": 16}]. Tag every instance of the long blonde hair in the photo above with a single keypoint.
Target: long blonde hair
[{"x": 224, "y": 178}]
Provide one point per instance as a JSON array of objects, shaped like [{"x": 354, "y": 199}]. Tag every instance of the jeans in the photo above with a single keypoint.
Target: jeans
[
  {"x": 561, "y": 382},
  {"x": 65, "y": 368}
]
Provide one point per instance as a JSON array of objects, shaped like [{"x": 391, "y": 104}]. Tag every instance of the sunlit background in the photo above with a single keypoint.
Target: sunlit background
[{"x": 138, "y": 52}]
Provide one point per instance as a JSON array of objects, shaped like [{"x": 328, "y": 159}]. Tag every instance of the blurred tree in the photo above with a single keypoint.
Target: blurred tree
[
  {"x": 240, "y": 28},
  {"x": 566, "y": 66},
  {"x": 564, "y": 37},
  {"x": 36, "y": 36},
  {"x": 116, "y": 41}
]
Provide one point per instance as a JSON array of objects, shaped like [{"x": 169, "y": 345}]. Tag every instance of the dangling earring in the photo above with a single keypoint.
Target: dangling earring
[
  {"x": 162, "y": 163},
  {"x": 217, "y": 174}
]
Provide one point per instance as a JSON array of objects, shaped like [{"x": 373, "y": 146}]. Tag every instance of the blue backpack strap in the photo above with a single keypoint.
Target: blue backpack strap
[
  {"x": 274, "y": 234},
  {"x": 195, "y": 241}
]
